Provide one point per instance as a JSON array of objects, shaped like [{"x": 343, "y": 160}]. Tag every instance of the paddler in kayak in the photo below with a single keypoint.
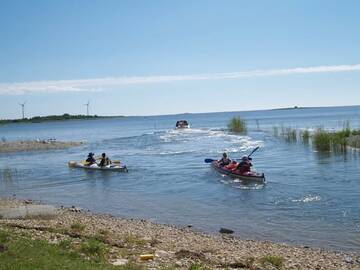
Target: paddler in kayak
[
  {"x": 104, "y": 160},
  {"x": 90, "y": 159},
  {"x": 224, "y": 161},
  {"x": 245, "y": 165}
]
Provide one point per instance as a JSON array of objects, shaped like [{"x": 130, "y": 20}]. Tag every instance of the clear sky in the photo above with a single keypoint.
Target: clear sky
[{"x": 163, "y": 57}]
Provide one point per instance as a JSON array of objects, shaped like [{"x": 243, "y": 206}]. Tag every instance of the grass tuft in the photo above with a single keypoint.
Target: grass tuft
[
  {"x": 305, "y": 136},
  {"x": 322, "y": 140},
  {"x": 198, "y": 266},
  {"x": 237, "y": 125},
  {"x": 95, "y": 249},
  {"x": 276, "y": 261}
]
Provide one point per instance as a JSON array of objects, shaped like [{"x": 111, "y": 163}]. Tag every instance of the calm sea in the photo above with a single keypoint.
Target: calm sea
[{"x": 309, "y": 199}]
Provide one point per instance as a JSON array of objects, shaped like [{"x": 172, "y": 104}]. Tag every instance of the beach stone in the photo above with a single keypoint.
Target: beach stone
[
  {"x": 348, "y": 259},
  {"x": 162, "y": 254},
  {"x": 119, "y": 262},
  {"x": 226, "y": 231}
]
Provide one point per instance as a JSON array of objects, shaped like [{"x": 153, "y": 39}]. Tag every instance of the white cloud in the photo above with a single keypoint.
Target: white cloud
[{"x": 101, "y": 84}]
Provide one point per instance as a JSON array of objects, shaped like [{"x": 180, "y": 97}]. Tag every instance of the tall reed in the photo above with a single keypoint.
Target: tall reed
[
  {"x": 322, "y": 140},
  {"x": 237, "y": 125}
]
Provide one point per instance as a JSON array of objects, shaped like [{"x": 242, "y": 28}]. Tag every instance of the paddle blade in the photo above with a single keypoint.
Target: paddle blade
[{"x": 208, "y": 160}]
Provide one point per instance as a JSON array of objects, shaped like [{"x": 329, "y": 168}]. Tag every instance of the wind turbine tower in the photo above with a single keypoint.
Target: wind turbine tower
[
  {"x": 23, "y": 109},
  {"x": 87, "y": 108}
]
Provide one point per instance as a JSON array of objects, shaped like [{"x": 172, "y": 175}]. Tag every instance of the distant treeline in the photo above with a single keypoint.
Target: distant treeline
[{"x": 65, "y": 116}]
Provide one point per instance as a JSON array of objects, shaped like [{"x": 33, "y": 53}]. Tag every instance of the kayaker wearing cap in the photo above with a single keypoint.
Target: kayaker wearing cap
[
  {"x": 90, "y": 159},
  {"x": 245, "y": 165},
  {"x": 224, "y": 161}
]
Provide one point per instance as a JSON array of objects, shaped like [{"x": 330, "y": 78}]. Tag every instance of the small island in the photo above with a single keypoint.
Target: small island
[
  {"x": 63, "y": 117},
  {"x": 31, "y": 145}
]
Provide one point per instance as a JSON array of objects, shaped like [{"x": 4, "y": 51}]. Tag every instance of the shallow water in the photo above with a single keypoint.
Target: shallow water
[{"x": 309, "y": 199}]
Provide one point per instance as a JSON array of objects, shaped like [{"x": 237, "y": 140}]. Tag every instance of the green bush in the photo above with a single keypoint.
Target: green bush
[{"x": 237, "y": 125}]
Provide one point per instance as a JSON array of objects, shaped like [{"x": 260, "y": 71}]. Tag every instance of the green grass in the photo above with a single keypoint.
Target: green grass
[
  {"x": 198, "y": 266},
  {"x": 289, "y": 134},
  {"x": 337, "y": 141},
  {"x": 322, "y": 140},
  {"x": 25, "y": 253},
  {"x": 275, "y": 261},
  {"x": 94, "y": 249},
  {"x": 237, "y": 125},
  {"x": 305, "y": 136},
  {"x": 133, "y": 240}
]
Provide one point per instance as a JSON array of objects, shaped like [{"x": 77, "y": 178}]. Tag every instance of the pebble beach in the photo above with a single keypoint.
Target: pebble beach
[{"x": 166, "y": 245}]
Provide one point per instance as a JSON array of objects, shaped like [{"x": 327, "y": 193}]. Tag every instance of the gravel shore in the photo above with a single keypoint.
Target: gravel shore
[
  {"x": 17, "y": 146},
  {"x": 172, "y": 246}
]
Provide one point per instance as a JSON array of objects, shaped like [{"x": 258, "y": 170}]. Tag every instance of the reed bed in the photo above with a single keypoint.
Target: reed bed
[
  {"x": 322, "y": 140},
  {"x": 237, "y": 125}
]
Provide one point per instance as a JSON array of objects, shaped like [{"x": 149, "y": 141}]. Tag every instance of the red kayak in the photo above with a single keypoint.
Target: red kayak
[{"x": 247, "y": 176}]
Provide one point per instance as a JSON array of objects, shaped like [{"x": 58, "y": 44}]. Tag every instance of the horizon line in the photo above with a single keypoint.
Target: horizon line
[{"x": 105, "y": 83}]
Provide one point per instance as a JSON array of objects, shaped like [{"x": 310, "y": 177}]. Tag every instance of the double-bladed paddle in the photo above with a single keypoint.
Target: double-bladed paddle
[{"x": 209, "y": 160}]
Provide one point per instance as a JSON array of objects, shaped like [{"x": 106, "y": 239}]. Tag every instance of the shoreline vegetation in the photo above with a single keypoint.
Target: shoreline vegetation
[
  {"x": 237, "y": 125},
  {"x": 63, "y": 117},
  {"x": 322, "y": 140},
  {"x": 31, "y": 145},
  {"x": 71, "y": 238}
]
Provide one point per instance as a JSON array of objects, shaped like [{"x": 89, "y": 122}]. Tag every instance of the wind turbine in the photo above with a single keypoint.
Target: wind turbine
[
  {"x": 23, "y": 109},
  {"x": 87, "y": 107}
]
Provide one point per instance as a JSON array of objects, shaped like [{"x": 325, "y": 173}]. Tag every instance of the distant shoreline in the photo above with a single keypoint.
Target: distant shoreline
[{"x": 50, "y": 118}]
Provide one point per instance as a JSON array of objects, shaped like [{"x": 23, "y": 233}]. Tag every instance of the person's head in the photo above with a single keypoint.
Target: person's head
[
  {"x": 224, "y": 155},
  {"x": 245, "y": 158},
  {"x": 103, "y": 155},
  {"x": 90, "y": 154}
]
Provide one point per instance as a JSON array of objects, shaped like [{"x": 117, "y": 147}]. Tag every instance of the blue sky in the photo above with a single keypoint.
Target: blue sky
[{"x": 164, "y": 57}]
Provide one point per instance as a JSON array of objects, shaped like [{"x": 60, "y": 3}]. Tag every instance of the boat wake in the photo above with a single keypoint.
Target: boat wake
[{"x": 308, "y": 198}]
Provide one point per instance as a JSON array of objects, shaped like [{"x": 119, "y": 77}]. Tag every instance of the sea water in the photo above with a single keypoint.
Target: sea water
[{"x": 310, "y": 198}]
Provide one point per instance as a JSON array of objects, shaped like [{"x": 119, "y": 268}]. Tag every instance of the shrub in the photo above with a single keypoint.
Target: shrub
[{"x": 237, "y": 125}]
